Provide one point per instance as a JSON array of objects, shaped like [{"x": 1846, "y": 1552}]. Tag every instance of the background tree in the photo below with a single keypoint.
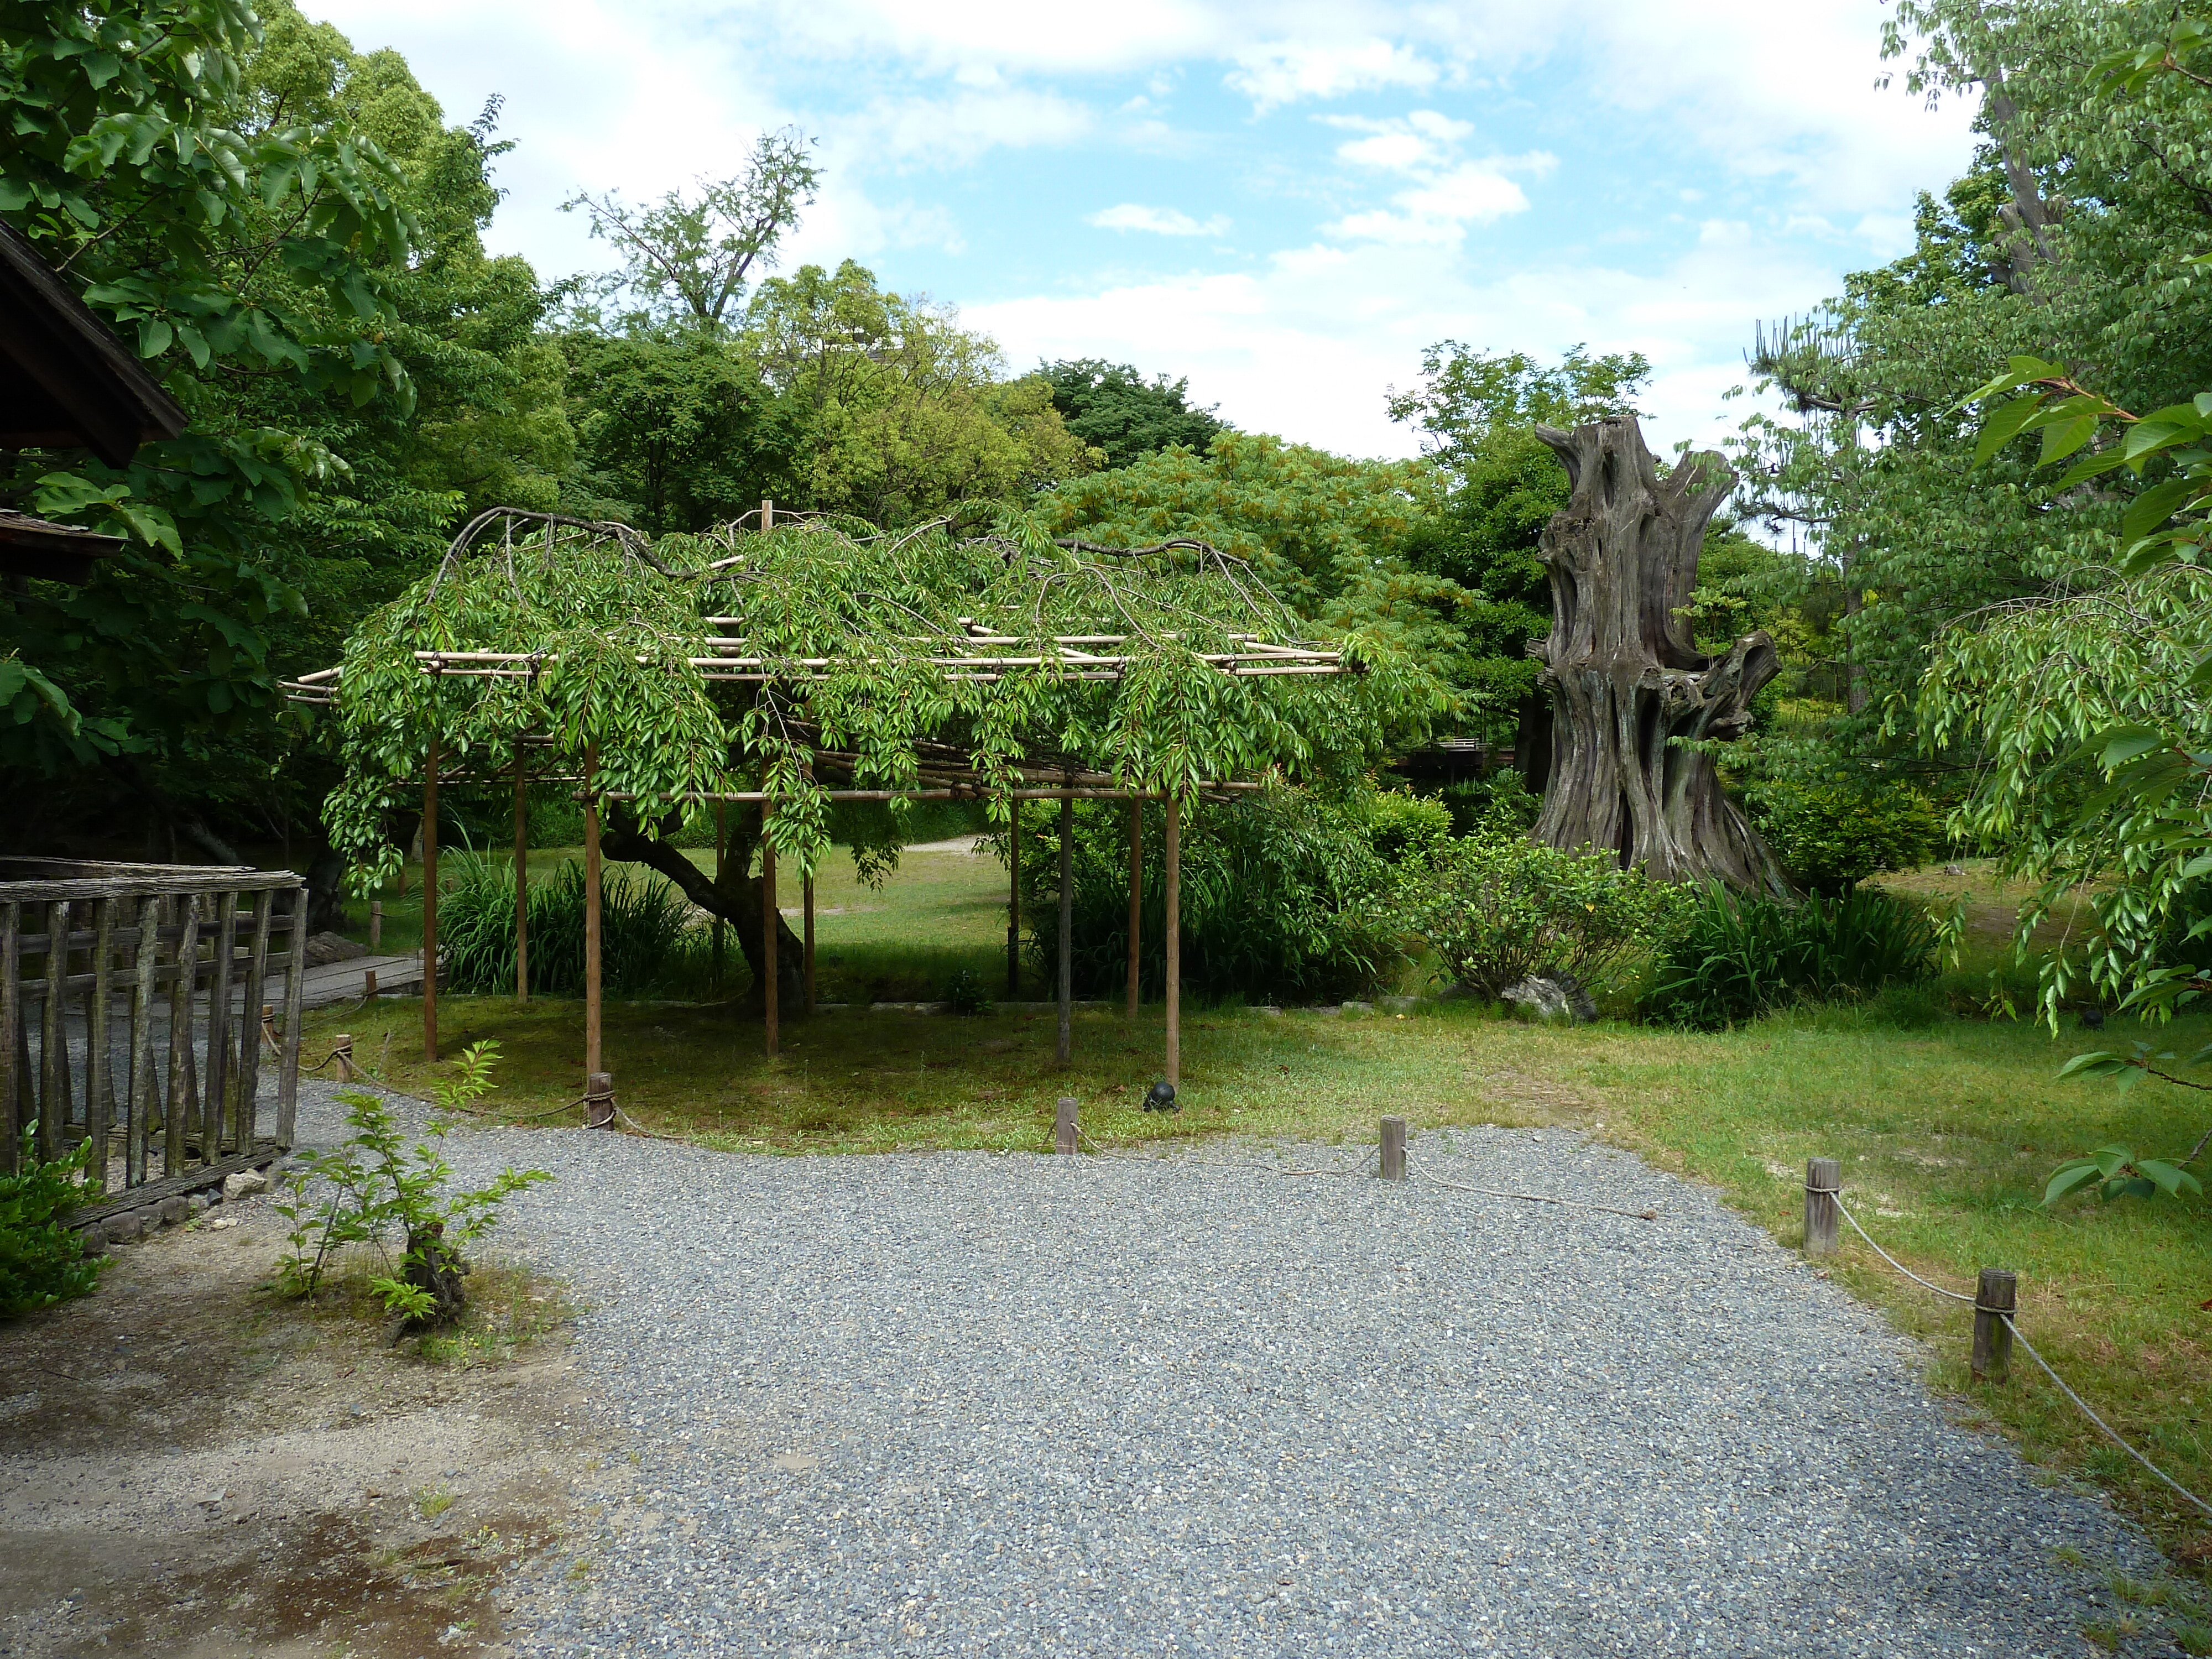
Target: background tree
[
  {"x": 685, "y": 260},
  {"x": 1113, "y": 409}
]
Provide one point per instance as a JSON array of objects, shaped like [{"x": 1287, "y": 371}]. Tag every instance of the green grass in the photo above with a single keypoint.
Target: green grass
[{"x": 1947, "y": 1130}]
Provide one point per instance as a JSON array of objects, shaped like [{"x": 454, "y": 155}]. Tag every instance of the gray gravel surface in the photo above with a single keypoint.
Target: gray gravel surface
[{"x": 968, "y": 1403}]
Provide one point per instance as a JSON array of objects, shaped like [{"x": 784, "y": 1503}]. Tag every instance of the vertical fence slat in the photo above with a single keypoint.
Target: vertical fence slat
[
  {"x": 138, "y": 1091},
  {"x": 249, "y": 1023},
  {"x": 295, "y": 968},
  {"x": 99, "y": 1064},
  {"x": 214, "y": 1099},
  {"x": 13, "y": 1082},
  {"x": 181, "y": 1101},
  {"x": 53, "y": 1041}
]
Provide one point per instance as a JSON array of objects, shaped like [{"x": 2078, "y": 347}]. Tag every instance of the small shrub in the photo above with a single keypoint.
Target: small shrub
[
  {"x": 41, "y": 1260},
  {"x": 966, "y": 994},
  {"x": 1401, "y": 825},
  {"x": 382, "y": 1192},
  {"x": 1732, "y": 958},
  {"x": 1499, "y": 798},
  {"x": 1832, "y": 837},
  {"x": 1496, "y": 907},
  {"x": 643, "y": 927}
]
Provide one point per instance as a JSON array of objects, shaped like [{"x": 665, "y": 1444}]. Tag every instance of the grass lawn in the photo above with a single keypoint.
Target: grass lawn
[{"x": 1947, "y": 1132}]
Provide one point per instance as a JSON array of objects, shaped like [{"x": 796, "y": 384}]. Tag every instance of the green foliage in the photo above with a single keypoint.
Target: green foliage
[
  {"x": 1401, "y": 825},
  {"x": 1731, "y": 957},
  {"x": 376, "y": 1190},
  {"x": 642, "y": 926},
  {"x": 41, "y": 1261},
  {"x": 1834, "y": 835},
  {"x": 1499, "y": 799},
  {"x": 2116, "y": 1171},
  {"x": 965, "y": 992},
  {"x": 618, "y": 632},
  {"x": 1496, "y": 907},
  {"x": 1284, "y": 898},
  {"x": 1116, "y": 411}
]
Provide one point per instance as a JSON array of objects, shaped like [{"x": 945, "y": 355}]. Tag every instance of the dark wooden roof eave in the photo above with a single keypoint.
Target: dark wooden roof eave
[
  {"x": 51, "y": 552},
  {"x": 65, "y": 379}
]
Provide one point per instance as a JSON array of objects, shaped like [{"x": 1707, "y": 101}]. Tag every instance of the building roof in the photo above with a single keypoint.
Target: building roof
[
  {"x": 51, "y": 552},
  {"x": 66, "y": 381}
]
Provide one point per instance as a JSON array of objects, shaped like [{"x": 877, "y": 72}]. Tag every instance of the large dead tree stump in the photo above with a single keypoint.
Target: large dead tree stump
[{"x": 1624, "y": 678}]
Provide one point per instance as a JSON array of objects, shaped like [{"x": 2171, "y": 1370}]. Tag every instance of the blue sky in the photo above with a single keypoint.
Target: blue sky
[{"x": 1284, "y": 203}]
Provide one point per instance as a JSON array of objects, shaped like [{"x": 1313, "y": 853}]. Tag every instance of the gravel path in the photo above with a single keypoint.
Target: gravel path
[{"x": 967, "y": 1403}]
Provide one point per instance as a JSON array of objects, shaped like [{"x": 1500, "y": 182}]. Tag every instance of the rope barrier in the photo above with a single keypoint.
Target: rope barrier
[
  {"x": 2013, "y": 1326},
  {"x": 1529, "y": 1198},
  {"x": 1337, "y": 1168},
  {"x": 1843, "y": 1210},
  {"x": 2110, "y": 1434}
]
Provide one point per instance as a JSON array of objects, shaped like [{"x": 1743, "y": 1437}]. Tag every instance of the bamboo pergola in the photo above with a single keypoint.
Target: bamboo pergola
[{"x": 941, "y": 772}]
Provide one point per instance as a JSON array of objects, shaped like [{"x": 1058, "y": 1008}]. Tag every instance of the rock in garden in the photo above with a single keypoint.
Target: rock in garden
[
  {"x": 121, "y": 1229},
  {"x": 324, "y": 949},
  {"x": 94, "y": 1241},
  {"x": 173, "y": 1210},
  {"x": 1551, "y": 998},
  {"x": 247, "y": 1183},
  {"x": 196, "y": 1204}
]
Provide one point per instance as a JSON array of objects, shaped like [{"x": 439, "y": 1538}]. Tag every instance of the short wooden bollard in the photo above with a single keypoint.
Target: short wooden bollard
[
  {"x": 1063, "y": 1127},
  {"x": 599, "y": 1101},
  {"x": 368, "y": 984},
  {"x": 342, "y": 1051},
  {"x": 1995, "y": 1297},
  {"x": 375, "y": 923},
  {"x": 1394, "y": 1149},
  {"x": 1824, "y": 1179}
]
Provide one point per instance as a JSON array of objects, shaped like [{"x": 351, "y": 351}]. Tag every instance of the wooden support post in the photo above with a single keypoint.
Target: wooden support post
[
  {"x": 769, "y": 919},
  {"x": 722, "y": 856},
  {"x": 1173, "y": 939},
  {"x": 14, "y": 1084},
  {"x": 375, "y": 924},
  {"x": 1065, "y": 990},
  {"x": 590, "y": 913},
  {"x": 767, "y": 515},
  {"x": 369, "y": 985},
  {"x": 138, "y": 1087},
  {"x": 248, "y": 1056},
  {"x": 99, "y": 1061},
  {"x": 215, "y": 1102},
  {"x": 598, "y": 1100},
  {"x": 342, "y": 1055},
  {"x": 808, "y": 888},
  {"x": 521, "y": 876},
  {"x": 182, "y": 1097},
  {"x": 1013, "y": 900},
  {"x": 1995, "y": 1295},
  {"x": 1063, "y": 1127},
  {"x": 1136, "y": 896},
  {"x": 53, "y": 1041},
  {"x": 296, "y": 980},
  {"x": 430, "y": 903},
  {"x": 1394, "y": 1149},
  {"x": 1824, "y": 1179}
]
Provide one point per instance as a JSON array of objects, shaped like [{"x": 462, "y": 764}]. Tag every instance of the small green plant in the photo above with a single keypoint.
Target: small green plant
[
  {"x": 2192, "y": 1637},
  {"x": 965, "y": 992},
  {"x": 2116, "y": 1172},
  {"x": 431, "y": 1502},
  {"x": 1496, "y": 907},
  {"x": 378, "y": 1190},
  {"x": 41, "y": 1260},
  {"x": 1732, "y": 958},
  {"x": 647, "y": 939}
]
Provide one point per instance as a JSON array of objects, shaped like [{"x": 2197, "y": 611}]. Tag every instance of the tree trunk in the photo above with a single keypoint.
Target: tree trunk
[
  {"x": 1626, "y": 678},
  {"x": 737, "y": 900}
]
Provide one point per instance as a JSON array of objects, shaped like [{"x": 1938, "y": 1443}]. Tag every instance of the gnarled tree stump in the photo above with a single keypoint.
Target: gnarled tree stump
[{"x": 1624, "y": 675}]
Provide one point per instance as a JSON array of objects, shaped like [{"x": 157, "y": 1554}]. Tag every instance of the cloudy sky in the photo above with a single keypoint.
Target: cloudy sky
[{"x": 1284, "y": 201}]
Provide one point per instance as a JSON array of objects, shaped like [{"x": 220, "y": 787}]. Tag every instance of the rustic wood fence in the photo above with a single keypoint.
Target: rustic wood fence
[{"x": 132, "y": 1015}]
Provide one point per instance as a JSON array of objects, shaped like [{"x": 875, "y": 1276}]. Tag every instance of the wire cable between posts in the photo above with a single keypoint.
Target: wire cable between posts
[
  {"x": 1843, "y": 1210},
  {"x": 2110, "y": 1434},
  {"x": 2013, "y": 1326}
]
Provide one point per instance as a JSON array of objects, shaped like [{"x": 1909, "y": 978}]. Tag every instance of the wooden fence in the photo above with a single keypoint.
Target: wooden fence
[{"x": 174, "y": 960}]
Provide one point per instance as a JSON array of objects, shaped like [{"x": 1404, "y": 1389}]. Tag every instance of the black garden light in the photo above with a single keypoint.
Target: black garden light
[{"x": 1162, "y": 1099}]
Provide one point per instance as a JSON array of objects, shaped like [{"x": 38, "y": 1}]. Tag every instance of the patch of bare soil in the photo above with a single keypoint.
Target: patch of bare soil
[{"x": 191, "y": 1467}]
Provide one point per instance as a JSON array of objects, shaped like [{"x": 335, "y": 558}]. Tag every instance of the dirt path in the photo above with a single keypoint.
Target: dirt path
[{"x": 188, "y": 1467}]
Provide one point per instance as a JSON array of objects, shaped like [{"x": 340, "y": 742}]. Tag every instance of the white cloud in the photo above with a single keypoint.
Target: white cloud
[
  {"x": 1284, "y": 72},
  {"x": 950, "y": 132},
  {"x": 1161, "y": 222},
  {"x": 1440, "y": 210}
]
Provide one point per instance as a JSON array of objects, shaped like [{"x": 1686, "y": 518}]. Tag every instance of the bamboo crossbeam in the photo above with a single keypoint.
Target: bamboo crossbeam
[{"x": 973, "y": 793}]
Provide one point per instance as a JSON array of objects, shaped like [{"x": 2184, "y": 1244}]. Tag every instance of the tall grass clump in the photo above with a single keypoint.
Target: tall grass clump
[
  {"x": 647, "y": 939},
  {"x": 1732, "y": 958}
]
